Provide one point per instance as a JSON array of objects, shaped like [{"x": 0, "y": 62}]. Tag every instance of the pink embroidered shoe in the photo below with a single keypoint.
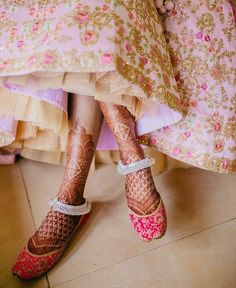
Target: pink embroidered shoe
[
  {"x": 29, "y": 265},
  {"x": 151, "y": 226}
]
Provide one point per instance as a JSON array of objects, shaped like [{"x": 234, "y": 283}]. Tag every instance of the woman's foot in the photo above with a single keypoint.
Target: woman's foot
[
  {"x": 147, "y": 212},
  {"x": 53, "y": 233},
  {"x": 67, "y": 213},
  {"x": 141, "y": 193},
  {"x": 50, "y": 240}
]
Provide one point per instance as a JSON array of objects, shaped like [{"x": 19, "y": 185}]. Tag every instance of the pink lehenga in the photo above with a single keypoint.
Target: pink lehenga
[
  {"x": 201, "y": 38},
  {"x": 113, "y": 52}
]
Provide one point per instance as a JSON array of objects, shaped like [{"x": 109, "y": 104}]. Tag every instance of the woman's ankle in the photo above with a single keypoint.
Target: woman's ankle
[
  {"x": 141, "y": 192},
  {"x": 132, "y": 155},
  {"x": 71, "y": 199},
  {"x": 141, "y": 208},
  {"x": 52, "y": 233}
]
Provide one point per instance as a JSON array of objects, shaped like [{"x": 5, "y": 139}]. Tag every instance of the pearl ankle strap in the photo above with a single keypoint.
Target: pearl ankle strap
[
  {"x": 67, "y": 209},
  {"x": 135, "y": 166}
]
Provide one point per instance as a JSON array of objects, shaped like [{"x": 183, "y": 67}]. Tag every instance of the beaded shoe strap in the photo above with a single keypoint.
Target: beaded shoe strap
[
  {"x": 135, "y": 166},
  {"x": 70, "y": 209}
]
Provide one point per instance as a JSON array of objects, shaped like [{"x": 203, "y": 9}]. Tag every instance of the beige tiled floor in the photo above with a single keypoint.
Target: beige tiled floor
[{"x": 199, "y": 249}]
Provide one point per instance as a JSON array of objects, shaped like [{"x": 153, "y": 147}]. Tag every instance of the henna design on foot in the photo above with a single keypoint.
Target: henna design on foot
[
  {"x": 141, "y": 193},
  {"x": 80, "y": 151},
  {"x": 57, "y": 228}
]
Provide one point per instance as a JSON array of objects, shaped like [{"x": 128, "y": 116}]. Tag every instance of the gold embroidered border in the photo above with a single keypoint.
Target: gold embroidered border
[
  {"x": 199, "y": 160},
  {"x": 150, "y": 87}
]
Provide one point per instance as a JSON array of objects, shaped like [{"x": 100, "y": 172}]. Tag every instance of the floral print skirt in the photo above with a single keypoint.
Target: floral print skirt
[
  {"x": 111, "y": 50},
  {"x": 201, "y": 36},
  {"x": 116, "y": 51}
]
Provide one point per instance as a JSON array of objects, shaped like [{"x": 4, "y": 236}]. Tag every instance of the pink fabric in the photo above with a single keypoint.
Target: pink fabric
[
  {"x": 152, "y": 119},
  {"x": 8, "y": 124},
  {"x": 7, "y": 159},
  {"x": 90, "y": 36},
  {"x": 203, "y": 54},
  {"x": 54, "y": 96},
  {"x": 106, "y": 140},
  {"x": 201, "y": 37}
]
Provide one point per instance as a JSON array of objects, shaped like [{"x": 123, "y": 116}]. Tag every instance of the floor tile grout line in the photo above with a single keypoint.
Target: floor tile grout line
[
  {"x": 31, "y": 212},
  {"x": 146, "y": 252},
  {"x": 27, "y": 195},
  {"x": 47, "y": 279}
]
